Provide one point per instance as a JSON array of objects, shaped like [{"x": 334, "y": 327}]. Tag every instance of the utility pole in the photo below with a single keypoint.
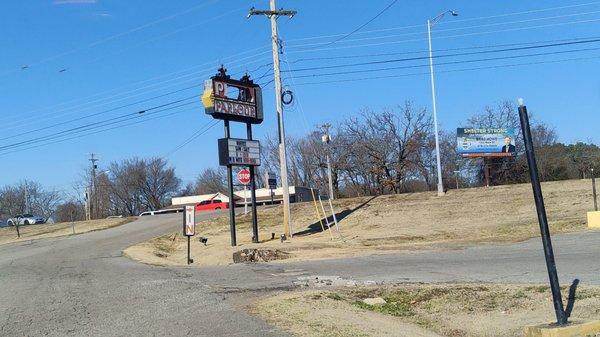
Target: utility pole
[
  {"x": 327, "y": 139},
  {"x": 92, "y": 193},
  {"x": 26, "y": 198},
  {"x": 273, "y": 14}
]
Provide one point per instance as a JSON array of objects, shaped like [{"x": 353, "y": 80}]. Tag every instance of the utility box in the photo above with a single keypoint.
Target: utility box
[{"x": 593, "y": 219}]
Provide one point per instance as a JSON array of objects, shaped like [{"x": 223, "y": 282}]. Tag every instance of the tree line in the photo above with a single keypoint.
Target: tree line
[{"x": 373, "y": 152}]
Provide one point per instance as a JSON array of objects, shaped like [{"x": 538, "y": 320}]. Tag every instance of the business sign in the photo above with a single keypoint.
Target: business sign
[
  {"x": 485, "y": 142},
  {"x": 239, "y": 152},
  {"x": 189, "y": 221},
  {"x": 271, "y": 180},
  {"x": 234, "y": 100},
  {"x": 244, "y": 177}
]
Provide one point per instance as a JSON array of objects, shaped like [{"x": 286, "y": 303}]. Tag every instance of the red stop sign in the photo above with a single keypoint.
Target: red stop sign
[{"x": 244, "y": 176}]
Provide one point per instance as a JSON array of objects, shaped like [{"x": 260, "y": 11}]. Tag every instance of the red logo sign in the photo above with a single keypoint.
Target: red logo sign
[{"x": 244, "y": 176}]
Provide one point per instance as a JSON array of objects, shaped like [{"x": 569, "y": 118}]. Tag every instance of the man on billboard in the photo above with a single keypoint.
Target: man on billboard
[{"x": 508, "y": 146}]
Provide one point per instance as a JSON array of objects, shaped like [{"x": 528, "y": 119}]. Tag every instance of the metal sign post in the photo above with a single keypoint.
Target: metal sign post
[
  {"x": 239, "y": 101},
  {"x": 594, "y": 191},
  {"x": 561, "y": 315},
  {"x": 189, "y": 228}
]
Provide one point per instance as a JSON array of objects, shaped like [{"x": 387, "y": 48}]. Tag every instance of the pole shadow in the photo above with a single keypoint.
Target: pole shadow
[{"x": 316, "y": 227}]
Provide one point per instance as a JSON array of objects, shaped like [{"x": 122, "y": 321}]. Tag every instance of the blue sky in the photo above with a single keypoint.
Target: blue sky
[{"x": 67, "y": 59}]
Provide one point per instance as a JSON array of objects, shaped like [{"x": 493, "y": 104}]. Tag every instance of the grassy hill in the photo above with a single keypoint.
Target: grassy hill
[{"x": 374, "y": 225}]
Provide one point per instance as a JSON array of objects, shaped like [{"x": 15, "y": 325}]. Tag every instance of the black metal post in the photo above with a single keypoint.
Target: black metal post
[
  {"x": 561, "y": 317},
  {"x": 189, "y": 260},
  {"x": 231, "y": 196},
  {"x": 594, "y": 191},
  {"x": 252, "y": 192}
]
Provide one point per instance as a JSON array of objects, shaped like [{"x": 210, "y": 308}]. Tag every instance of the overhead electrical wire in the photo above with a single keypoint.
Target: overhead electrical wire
[
  {"x": 103, "y": 112},
  {"x": 447, "y": 63},
  {"x": 450, "y": 29},
  {"x": 449, "y": 71},
  {"x": 193, "y": 137},
  {"x": 444, "y": 55},
  {"x": 86, "y": 127},
  {"x": 441, "y": 37},
  {"x": 435, "y": 51},
  {"x": 115, "y": 36},
  {"x": 366, "y": 23},
  {"x": 450, "y": 22},
  {"x": 115, "y": 98},
  {"x": 137, "y": 122}
]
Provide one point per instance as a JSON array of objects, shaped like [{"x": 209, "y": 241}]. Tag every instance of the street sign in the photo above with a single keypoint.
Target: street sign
[
  {"x": 189, "y": 221},
  {"x": 244, "y": 177},
  {"x": 239, "y": 152},
  {"x": 271, "y": 180},
  {"x": 234, "y": 100}
]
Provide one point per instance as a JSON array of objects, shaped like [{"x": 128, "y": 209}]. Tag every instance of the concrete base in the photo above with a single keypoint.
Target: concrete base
[
  {"x": 593, "y": 219},
  {"x": 574, "y": 329}
]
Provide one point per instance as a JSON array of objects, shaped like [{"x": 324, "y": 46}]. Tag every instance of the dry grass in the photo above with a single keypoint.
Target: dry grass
[
  {"x": 454, "y": 310},
  {"x": 31, "y": 232},
  {"x": 382, "y": 224}
]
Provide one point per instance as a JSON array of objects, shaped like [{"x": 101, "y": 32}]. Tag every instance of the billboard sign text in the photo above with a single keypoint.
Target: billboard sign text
[{"x": 481, "y": 142}]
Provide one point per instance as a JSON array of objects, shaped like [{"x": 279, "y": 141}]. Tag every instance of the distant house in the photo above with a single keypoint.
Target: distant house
[
  {"x": 263, "y": 196},
  {"x": 196, "y": 199}
]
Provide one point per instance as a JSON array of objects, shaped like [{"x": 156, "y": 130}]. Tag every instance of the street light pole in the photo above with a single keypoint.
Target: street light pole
[{"x": 430, "y": 23}]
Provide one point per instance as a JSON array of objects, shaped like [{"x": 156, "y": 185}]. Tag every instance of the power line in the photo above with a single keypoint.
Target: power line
[
  {"x": 194, "y": 136},
  {"x": 110, "y": 121},
  {"x": 444, "y": 37},
  {"x": 450, "y": 22},
  {"x": 322, "y": 44},
  {"x": 137, "y": 122},
  {"x": 449, "y": 71},
  {"x": 104, "y": 111},
  {"x": 370, "y": 55},
  {"x": 449, "y": 63},
  {"x": 91, "y": 104},
  {"x": 118, "y": 35},
  {"x": 366, "y": 23},
  {"x": 444, "y": 56}
]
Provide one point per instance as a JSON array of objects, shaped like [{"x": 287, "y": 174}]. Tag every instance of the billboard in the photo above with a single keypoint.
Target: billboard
[
  {"x": 485, "y": 142},
  {"x": 239, "y": 152}
]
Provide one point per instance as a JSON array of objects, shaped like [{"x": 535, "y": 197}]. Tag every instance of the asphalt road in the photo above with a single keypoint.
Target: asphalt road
[{"x": 82, "y": 286}]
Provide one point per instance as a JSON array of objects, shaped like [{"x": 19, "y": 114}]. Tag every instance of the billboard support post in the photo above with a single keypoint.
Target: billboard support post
[
  {"x": 561, "y": 315},
  {"x": 486, "y": 171},
  {"x": 231, "y": 196},
  {"x": 594, "y": 191},
  {"x": 252, "y": 191}
]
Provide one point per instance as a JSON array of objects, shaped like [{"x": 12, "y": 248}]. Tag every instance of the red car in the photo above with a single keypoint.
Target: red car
[{"x": 211, "y": 205}]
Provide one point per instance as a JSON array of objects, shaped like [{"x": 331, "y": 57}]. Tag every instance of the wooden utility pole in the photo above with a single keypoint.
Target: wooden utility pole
[
  {"x": 273, "y": 14},
  {"x": 327, "y": 139},
  {"x": 92, "y": 191}
]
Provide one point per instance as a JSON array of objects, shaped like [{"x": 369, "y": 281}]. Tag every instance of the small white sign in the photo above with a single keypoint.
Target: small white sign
[{"x": 189, "y": 221}]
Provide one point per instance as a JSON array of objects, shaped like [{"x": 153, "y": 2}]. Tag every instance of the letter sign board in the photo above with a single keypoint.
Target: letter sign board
[
  {"x": 233, "y": 100},
  {"x": 189, "y": 221},
  {"x": 239, "y": 152}
]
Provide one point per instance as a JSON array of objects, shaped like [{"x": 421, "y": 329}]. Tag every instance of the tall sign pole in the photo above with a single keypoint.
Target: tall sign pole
[
  {"x": 273, "y": 14},
  {"x": 561, "y": 315},
  {"x": 233, "y": 100}
]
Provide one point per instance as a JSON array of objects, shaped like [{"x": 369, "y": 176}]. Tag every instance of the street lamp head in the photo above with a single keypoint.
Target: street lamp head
[
  {"x": 454, "y": 13},
  {"x": 521, "y": 101}
]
